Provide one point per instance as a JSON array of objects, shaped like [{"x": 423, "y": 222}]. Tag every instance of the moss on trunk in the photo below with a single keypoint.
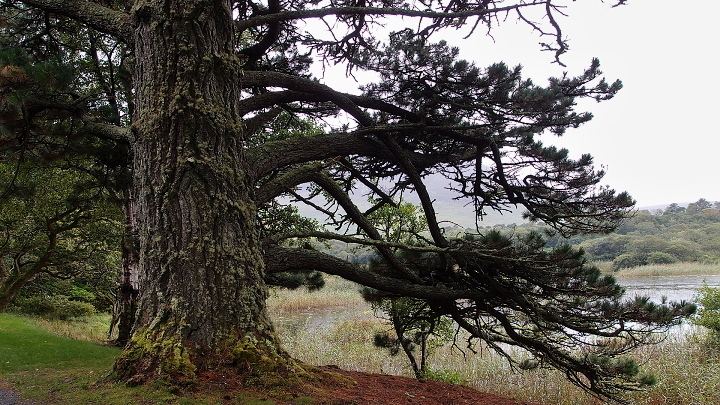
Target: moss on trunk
[{"x": 201, "y": 303}]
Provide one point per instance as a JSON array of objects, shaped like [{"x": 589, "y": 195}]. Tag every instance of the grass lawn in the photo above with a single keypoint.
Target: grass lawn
[
  {"x": 50, "y": 369},
  {"x": 24, "y": 347}
]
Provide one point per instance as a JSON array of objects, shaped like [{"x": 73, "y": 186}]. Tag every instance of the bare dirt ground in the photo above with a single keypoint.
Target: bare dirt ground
[
  {"x": 393, "y": 390},
  {"x": 357, "y": 388}
]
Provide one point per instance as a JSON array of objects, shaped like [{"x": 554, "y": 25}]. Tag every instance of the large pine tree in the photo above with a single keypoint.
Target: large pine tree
[{"x": 190, "y": 106}]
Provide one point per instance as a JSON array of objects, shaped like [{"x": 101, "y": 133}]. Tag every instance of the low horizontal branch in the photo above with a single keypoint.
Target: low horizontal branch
[{"x": 378, "y": 11}]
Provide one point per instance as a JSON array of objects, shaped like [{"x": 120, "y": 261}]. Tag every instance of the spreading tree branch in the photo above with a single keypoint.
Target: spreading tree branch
[
  {"x": 377, "y": 11},
  {"x": 103, "y": 19}
]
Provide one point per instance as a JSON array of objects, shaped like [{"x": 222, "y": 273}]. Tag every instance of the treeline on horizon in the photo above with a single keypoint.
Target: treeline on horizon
[
  {"x": 675, "y": 234},
  {"x": 664, "y": 236}
]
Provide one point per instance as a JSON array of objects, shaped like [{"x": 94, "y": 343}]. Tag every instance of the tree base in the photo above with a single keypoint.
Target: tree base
[
  {"x": 149, "y": 359},
  {"x": 244, "y": 365}
]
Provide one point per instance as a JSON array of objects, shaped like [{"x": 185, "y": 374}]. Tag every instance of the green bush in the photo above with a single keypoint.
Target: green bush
[
  {"x": 628, "y": 260},
  {"x": 660, "y": 258},
  {"x": 77, "y": 293},
  {"x": 709, "y": 313},
  {"x": 55, "y": 307}
]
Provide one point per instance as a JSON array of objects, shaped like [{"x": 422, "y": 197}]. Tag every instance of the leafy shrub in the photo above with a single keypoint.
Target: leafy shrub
[
  {"x": 77, "y": 293},
  {"x": 660, "y": 258},
  {"x": 606, "y": 248},
  {"x": 628, "y": 260},
  {"x": 55, "y": 307},
  {"x": 685, "y": 251},
  {"x": 709, "y": 313}
]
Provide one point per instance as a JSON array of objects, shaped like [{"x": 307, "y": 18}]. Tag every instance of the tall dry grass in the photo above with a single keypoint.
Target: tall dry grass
[
  {"x": 337, "y": 293},
  {"x": 675, "y": 269},
  {"x": 92, "y": 328},
  {"x": 336, "y": 327}
]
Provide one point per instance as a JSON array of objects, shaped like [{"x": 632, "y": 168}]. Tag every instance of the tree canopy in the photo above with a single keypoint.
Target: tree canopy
[
  {"x": 52, "y": 230},
  {"x": 189, "y": 110}
]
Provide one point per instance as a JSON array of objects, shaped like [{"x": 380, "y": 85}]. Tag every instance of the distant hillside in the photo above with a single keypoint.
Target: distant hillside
[
  {"x": 459, "y": 213},
  {"x": 669, "y": 233}
]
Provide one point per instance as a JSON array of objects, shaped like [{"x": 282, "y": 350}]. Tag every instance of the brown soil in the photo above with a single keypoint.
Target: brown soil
[
  {"x": 393, "y": 390},
  {"x": 334, "y": 386},
  {"x": 341, "y": 387}
]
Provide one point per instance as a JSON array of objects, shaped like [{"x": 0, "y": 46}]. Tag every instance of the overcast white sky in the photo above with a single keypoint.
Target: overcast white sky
[{"x": 658, "y": 139}]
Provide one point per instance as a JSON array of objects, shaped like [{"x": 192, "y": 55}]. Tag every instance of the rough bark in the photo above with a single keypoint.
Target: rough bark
[
  {"x": 129, "y": 287},
  {"x": 95, "y": 15},
  {"x": 200, "y": 265}
]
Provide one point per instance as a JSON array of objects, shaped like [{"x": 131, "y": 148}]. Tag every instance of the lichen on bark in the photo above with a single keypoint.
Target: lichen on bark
[
  {"x": 149, "y": 356},
  {"x": 201, "y": 270}
]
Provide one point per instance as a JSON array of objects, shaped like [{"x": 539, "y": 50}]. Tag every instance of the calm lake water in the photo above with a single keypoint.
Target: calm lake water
[{"x": 675, "y": 288}]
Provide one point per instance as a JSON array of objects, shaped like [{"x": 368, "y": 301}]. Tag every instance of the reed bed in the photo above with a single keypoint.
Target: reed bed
[
  {"x": 675, "y": 269},
  {"x": 337, "y": 293},
  {"x": 92, "y": 328}
]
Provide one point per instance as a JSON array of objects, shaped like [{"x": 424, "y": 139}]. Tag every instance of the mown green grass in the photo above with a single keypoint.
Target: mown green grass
[
  {"x": 50, "y": 369},
  {"x": 25, "y": 347}
]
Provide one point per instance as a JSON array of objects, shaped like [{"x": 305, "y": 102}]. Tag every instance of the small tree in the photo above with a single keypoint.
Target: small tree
[
  {"x": 673, "y": 208},
  {"x": 709, "y": 312},
  {"x": 414, "y": 323},
  {"x": 698, "y": 206},
  {"x": 660, "y": 258},
  {"x": 415, "y": 327}
]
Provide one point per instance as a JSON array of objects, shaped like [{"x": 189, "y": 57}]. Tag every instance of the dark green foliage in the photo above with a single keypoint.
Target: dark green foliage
[
  {"x": 666, "y": 237},
  {"x": 628, "y": 260},
  {"x": 52, "y": 224},
  {"x": 62, "y": 183},
  {"x": 607, "y": 248},
  {"x": 313, "y": 280},
  {"x": 92, "y": 287},
  {"x": 648, "y": 379},
  {"x": 673, "y": 208},
  {"x": 660, "y": 258}
]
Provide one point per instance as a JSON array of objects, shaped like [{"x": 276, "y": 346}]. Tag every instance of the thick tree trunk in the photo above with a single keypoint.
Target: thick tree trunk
[{"x": 202, "y": 294}]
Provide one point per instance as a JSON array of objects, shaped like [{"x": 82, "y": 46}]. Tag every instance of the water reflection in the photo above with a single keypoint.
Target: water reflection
[{"x": 675, "y": 288}]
